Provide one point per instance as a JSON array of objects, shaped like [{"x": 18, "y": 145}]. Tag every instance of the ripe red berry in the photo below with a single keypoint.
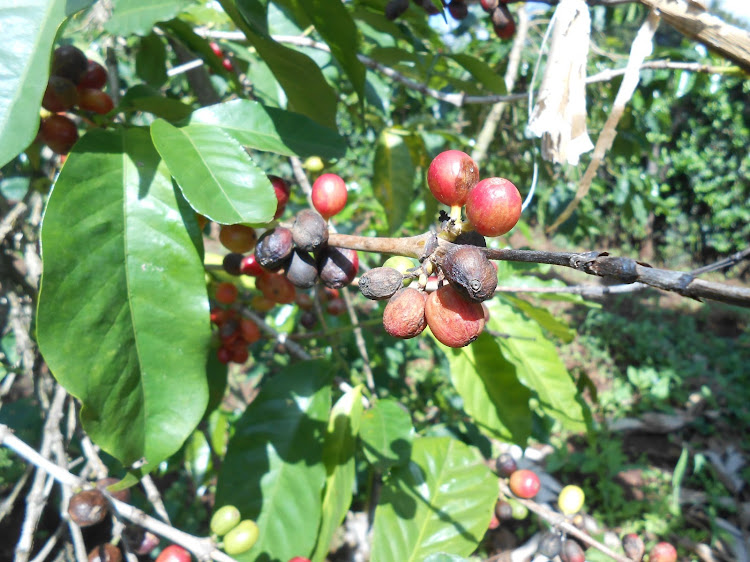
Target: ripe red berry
[
  {"x": 524, "y": 483},
  {"x": 216, "y": 49},
  {"x": 227, "y": 64},
  {"x": 174, "y": 553},
  {"x": 299, "y": 559},
  {"x": 94, "y": 77},
  {"x": 69, "y": 62},
  {"x": 239, "y": 353},
  {"x": 453, "y": 320},
  {"x": 493, "y": 206},
  {"x": 224, "y": 355},
  {"x": 450, "y": 177},
  {"x": 663, "y": 552},
  {"x": 249, "y": 330},
  {"x": 329, "y": 195},
  {"x": 282, "y": 191},
  {"x": 488, "y": 5},
  {"x": 250, "y": 266},
  {"x": 226, "y": 293},
  {"x": 60, "y": 95},
  {"x": 238, "y": 238},
  {"x": 276, "y": 288},
  {"x": 92, "y": 99},
  {"x": 59, "y": 133},
  {"x": 502, "y": 21}
]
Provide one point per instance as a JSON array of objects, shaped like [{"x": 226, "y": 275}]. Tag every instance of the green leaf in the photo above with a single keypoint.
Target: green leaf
[
  {"x": 151, "y": 60},
  {"x": 338, "y": 457},
  {"x": 139, "y": 16},
  {"x": 393, "y": 176},
  {"x": 303, "y": 82},
  {"x": 489, "y": 387},
  {"x": 386, "y": 433},
  {"x": 123, "y": 311},
  {"x": 216, "y": 175},
  {"x": 546, "y": 320},
  {"x": 441, "y": 502},
  {"x": 442, "y": 557},
  {"x": 273, "y": 130},
  {"x": 29, "y": 28},
  {"x": 482, "y": 73},
  {"x": 217, "y": 374},
  {"x": 273, "y": 470},
  {"x": 538, "y": 365},
  {"x": 336, "y": 26},
  {"x": 166, "y": 108}
]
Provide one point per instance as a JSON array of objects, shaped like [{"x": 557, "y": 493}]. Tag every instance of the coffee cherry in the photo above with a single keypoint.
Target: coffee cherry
[
  {"x": 141, "y": 540},
  {"x": 505, "y": 465},
  {"x": 308, "y": 319},
  {"x": 450, "y": 177},
  {"x": 503, "y": 23},
  {"x": 282, "y": 191},
  {"x": 524, "y": 483},
  {"x": 458, "y": 9},
  {"x": 404, "y": 315},
  {"x": 503, "y": 510},
  {"x": 225, "y": 519},
  {"x": 550, "y": 544},
  {"x": 633, "y": 546},
  {"x": 274, "y": 248},
  {"x": 59, "y": 133},
  {"x": 174, "y": 553},
  {"x": 105, "y": 553},
  {"x": 454, "y": 321},
  {"x": 249, "y": 330},
  {"x": 380, "y": 283},
  {"x": 276, "y": 288},
  {"x": 470, "y": 272},
  {"x": 520, "y": 511},
  {"x": 494, "y": 522},
  {"x": 69, "y": 62},
  {"x": 394, "y": 8},
  {"x": 250, "y": 266},
  {"x": 302, "y": 270},
  {"x": 337, "y": 266},
  {"x": 572, "y": 552},
  {"x": 493, "y": 206},
  {"x": 336, "y": 307},
  {"x": 94, "y": 77},
  {"x": 238, "y": 238},
  {"x": 471, "y": 238},
  {"x": 299, "y": 559},
  {"x": 60, "y": 95},
  {"x": 87, "y": 508},
  {"x": 663, "y": 552},
  {"x": 226, "y": 293},
  {"x": 304, "y": 301},
  {"x": 313, "y": 164},
  {"x": 329, "y": 195},
  {"x": 121, "y": 495},
  {"x": 571, "y": 499},
  {"x": 216, "y": 49},
  {"x": 232, "y": 263},
  {"x": 227, "y": 64},
  {"x": 402, "y": 264},
  {"x": 489, "y": 5},
  {"x": 92, "y": 99},
  {"x": 261, "y": 303},
  {"x": 310, "y": 231},
  {"x": 224, "y": 355},
  {"x": 241, "y": 538},
  {"x": 201, "y": 220}
]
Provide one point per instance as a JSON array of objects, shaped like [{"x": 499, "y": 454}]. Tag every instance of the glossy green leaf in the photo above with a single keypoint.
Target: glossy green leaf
[
  {"x": 139, "y": 16},
  {"x": 393, "y": 176},
  {"x": 441, "y": 502},
  {"x": 271, "y": 129},
  {"x": 443, "y": 557},
  {"x": 166, "y": 108},
  {"x": 123, "y": 310},
  {"x": 336, "y": 26},
  {"x": 386, "y": 434},
  {"x": 538, "y": 365},
  {"x": 273, "y": 470},
  {"x": 151, "y": 60},
  {"x": 303, "y": 82},
  {"x": 482, "y": 73},
  {"x": 553, "y": 324},
  {"x": 489, "y": 387},
  {"x": 338, "y": 457},
  {"x": 29, "y": 28},
  {"x": 216, "y": 175},
  {"x": 217, "y": 375}
]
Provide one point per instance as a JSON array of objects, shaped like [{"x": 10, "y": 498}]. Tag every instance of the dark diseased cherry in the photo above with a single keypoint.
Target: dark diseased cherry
[
  {"x": 310, "y": 231},
  {"x": 470, "y": 272},
  {"x": 337, "y": 266},
  {"x": 232, "y": 263},
  {"x": 458, "y": 9},
  {"x": 69, "y": 62},
  {"x": 381, "y": 283},
  {"x": 302, "y": 270},
  {"x": 88, "y": 507},
  {"x": 274, "y": 248}
]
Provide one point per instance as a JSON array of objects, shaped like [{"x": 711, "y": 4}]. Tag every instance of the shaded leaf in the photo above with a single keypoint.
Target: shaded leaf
[
  {"x": 150, "y": 60},
  {"x": 140, "y": 16},
  {"x": 481, "y": 72},
  {"x": 216, "y": 175},
  {"x": 123, "y": 310},
  {"x": 393, "y": 176},
  {"x": 545, "y": 318},
  {"x": 386, "y": 433},
  {"x": 441, "y": 502}
]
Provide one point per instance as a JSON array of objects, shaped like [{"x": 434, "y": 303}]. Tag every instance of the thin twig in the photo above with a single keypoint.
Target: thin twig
[
  {"x": 359, "y": 340},
  {"x": 153, "y": 496}
]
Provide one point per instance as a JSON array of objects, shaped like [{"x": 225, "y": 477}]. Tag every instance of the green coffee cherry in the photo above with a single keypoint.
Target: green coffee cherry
[
  {"x": 225, "y": 519},
  {"x": 241, "y": 538},
  {"x": 401, "y": 264}
]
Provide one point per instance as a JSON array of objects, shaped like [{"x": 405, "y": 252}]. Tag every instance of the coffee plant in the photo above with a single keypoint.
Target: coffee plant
[{"x": 262, "y": 267}]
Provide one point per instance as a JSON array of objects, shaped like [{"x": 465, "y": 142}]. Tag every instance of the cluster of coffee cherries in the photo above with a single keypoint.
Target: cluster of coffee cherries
[
  {"x": 226, "y": 62},
  {"x": 525, "y": 484},
  {"x": 454, "y": 312},
  {"x": 239, "y": 535},
  {"x": 90, "y": 507},
  {"x": 75, "y": 81},
  {"x": 282, "y": 260},
  {"x": 502, "y": 20}
]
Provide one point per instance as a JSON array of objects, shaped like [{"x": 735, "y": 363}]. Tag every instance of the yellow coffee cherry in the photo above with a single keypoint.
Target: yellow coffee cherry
[{"x": 571, "y": 499}]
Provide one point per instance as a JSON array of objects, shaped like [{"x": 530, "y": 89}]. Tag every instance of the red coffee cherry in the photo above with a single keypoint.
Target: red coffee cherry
[
  {"x": 404, "y": 315},
  {"x": 489, "y": 5},
  {"x": 250, "y": 266},
  {"x": 216, "y": 49},
  {"x": 663, "y": 552},
  {"x": 92, "y": 99},
  {"x": 493, "y": 206},
  {"x": 238, "y": 238},
  {"x": 226, "y": 293},
  {"x": 524, "y": 483},
  {"x": 174, "y": 553},
  {"x": 502, "y": 22},
  {"x": 458, "y": 9},
  {"x": 282, "y": 191},
  {"x": 249, "y": 330},
  {"x": 276, "y": 288},
  {"x": 454, "y": 321},
  {"x": 224, "y": 355},
  {"x": 59, "y": 133},
  {"x": 69, "y": 62},
  {"x": 329, "y": 195},
  {"x": 94, "y": 77},
  {"x": 60, "y": 95},
  {"x": 450, "y": 177}
]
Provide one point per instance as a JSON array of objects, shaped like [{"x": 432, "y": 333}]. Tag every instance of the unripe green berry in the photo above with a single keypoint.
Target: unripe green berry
[
  {"x": 241, "y": 538},
  {"x": 225, "y": 519}
]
